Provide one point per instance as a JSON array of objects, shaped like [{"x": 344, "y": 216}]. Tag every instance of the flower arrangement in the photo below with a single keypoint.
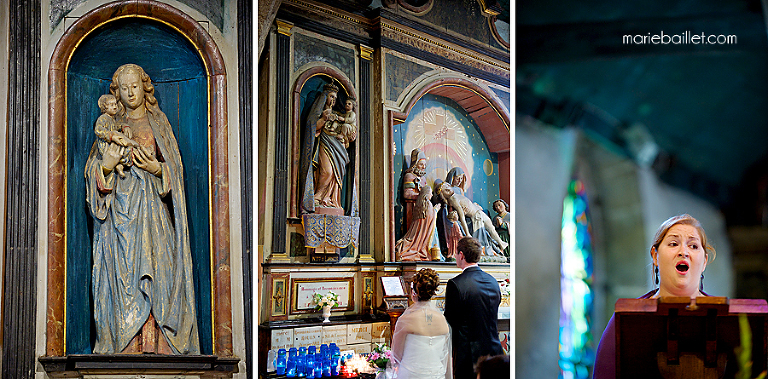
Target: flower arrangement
[
  {"x": 329, "y": 299},
  {"x": 506, "y": 292},
  {"x": 380, "y": 356},
  {"x": 505, "y": 287}
]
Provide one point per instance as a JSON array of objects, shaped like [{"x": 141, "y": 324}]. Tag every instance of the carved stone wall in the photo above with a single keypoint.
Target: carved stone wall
[{"x": 213, "y": 10}]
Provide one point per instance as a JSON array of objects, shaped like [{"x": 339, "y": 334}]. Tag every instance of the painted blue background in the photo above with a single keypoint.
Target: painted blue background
[
  {"x": 179, "y": 77},
  {"x": 484, "y": 189}
]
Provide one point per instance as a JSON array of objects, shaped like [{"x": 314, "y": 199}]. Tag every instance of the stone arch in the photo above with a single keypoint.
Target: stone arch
[
  {"x": 301, "y": 79},
  {"x": 482, "y": 105},
  {"x": 217, "y": 142}
]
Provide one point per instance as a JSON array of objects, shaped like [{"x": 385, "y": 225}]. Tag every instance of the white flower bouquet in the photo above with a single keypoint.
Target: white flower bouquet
[{"x": 329, "y": 299}]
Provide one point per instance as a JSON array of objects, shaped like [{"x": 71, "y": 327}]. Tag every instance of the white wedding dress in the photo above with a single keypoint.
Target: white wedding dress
[{"x": 423, "y": 356}]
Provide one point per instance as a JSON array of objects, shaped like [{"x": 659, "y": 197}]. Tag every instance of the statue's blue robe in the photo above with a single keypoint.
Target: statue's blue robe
[{"x": 142, "y": 259}]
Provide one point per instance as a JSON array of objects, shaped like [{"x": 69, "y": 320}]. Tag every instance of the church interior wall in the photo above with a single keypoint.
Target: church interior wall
[
  {"x": 543, "y": 161},
  {"x": 220, "y": 21},
  {"x": 627, "y": 203}
]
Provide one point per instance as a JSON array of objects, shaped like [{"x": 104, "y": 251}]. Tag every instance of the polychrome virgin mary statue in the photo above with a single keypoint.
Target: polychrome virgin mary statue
[{"x": 143, "y": 291}]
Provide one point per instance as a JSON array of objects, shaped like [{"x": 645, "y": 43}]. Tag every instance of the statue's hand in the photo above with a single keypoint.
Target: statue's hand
[
  {"x": 122, "y": 140},
  {"x": 112, "y": 157},
  {"x": 144, "y": 159},
  {"x": 353, "y": 135},
  {"x": 437, "y": 207}
]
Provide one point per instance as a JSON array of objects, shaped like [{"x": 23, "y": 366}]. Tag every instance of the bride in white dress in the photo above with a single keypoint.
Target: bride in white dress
[{"x": 421, "y": 341}]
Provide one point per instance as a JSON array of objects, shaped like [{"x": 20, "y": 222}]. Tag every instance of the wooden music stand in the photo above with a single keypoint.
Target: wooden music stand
[{"x": 678, "y": 337}]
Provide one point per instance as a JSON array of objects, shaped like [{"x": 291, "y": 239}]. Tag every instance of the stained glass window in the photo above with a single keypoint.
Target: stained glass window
[{"x": 576, "y": 345}]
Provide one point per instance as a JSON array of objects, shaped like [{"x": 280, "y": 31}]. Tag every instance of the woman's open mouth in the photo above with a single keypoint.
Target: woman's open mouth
[{"x": 682, "y": 267}]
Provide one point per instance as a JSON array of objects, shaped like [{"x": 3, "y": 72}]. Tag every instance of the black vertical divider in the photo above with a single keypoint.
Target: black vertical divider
[
  {"x": 22, "y": 154},
  {"x": 282, "y": 132},
  {"x": 364, "y": 109},
  {"x": 245, "y": 86}
]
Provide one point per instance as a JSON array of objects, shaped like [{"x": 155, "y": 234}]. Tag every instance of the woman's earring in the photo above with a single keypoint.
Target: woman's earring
[
  {"x": 656, "y": 270},
  {"x": 701, "y": 283}
]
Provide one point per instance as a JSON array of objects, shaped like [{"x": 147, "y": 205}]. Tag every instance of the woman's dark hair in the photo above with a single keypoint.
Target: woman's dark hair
[{"x": 425, "y": 283}]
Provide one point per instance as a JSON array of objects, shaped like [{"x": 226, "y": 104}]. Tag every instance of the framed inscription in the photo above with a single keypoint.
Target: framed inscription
[{"x": 303, "y": 289}]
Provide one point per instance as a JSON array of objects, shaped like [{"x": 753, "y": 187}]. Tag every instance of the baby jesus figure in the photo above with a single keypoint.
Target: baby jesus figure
[
  {"x": 107, "y": 132},
  {"x": 344, "y": 128}
]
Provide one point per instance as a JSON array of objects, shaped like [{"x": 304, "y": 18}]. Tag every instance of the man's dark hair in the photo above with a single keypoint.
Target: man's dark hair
[
  {"x": 495, "y": 367},
  {"x": 471, "y": 249}
]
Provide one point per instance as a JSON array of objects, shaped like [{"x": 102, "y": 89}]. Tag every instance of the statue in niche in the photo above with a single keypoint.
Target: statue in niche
[
  {"x": 481, "y": 222},
  {"x": 413, "y": 181},
  {"x": 108, "y": 132},
  {"x": 502, "y": 221},
  {"x": 329, "y": 157},
  {"x": 421, "y": 237},
  {"x": 142, "y": 285},
  {"x": 327, "y": 172}
]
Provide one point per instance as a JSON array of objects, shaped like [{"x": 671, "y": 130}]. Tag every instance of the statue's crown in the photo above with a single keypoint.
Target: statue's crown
[{"x": 331, "y": 87}]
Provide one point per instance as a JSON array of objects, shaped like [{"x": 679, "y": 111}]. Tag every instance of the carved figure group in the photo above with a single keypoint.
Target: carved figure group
[
  {"x": 465, "y": 207},
  {"x": 456, "y": 214}
]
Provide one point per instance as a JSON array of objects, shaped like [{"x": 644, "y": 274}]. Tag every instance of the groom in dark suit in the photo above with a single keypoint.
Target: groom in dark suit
[{"x": 471, "y": 308}]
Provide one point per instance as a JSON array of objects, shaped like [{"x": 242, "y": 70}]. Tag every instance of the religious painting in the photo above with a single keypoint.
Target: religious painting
[
  {"x": 297, "y": 245},
  {"x": 278, "y": 297},
  {"x": 368, "y": 292}
]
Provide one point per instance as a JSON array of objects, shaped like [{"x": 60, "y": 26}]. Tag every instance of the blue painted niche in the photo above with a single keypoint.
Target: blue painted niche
[{"x": 181, "y": 88}]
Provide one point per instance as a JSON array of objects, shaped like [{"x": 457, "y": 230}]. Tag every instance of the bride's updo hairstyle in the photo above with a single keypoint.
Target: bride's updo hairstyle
[{"x": 425, "y": 283}]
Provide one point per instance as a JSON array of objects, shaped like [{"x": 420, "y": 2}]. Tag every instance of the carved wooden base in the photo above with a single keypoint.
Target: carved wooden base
[{"x": 77, "y": 366}]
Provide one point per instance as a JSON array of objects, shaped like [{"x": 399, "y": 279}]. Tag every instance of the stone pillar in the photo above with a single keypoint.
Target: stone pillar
[
  {"x": 363, "y": 108},
  {"x": 282, "y": 134},
  {"x": 20, "y": 250},
  {"x": 245, "y": 82}
]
